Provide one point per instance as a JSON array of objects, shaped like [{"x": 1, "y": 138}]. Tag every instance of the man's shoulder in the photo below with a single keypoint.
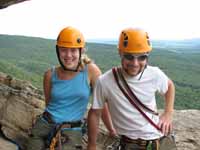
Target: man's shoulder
[
  {"x": 106, "y": 75},
  {"x": 152, "y": 68},
  {"x": 152, "y": 71},
  {"x": 155, "y": 71}
]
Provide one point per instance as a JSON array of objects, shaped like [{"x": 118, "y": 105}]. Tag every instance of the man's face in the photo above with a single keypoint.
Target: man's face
[
  {"x": 133, "y": 64},
  {"x": 69, "y": 57}
]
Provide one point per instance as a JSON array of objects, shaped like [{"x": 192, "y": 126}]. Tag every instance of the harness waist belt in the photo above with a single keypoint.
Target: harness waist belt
[
  {"x": 47, "y": 116},
  {"x": 71, "y": 124},
  {"x": 136, "y": 141}
]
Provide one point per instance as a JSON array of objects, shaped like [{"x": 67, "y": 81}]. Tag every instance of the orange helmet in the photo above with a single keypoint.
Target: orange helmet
[
  {"x": 71, "y": 38},
  {"x": 134, "y": 41}
]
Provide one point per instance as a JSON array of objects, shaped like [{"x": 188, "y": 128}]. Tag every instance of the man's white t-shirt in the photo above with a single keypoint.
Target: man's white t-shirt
[{"x": 125, "y": 117}]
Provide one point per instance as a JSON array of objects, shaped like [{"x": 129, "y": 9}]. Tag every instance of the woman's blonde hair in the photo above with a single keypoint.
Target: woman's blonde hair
[{"x": 85, "y": 60}]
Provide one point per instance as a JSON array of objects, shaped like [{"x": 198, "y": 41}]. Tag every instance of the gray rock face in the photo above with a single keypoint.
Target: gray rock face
[
  {"x": 5, "y": 145},
  {"x": 20, "y": 103},
  {"x": 186, "y": 128}
]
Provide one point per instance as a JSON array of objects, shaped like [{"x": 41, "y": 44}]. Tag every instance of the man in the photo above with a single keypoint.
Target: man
[{"x": 135, "y": 130}]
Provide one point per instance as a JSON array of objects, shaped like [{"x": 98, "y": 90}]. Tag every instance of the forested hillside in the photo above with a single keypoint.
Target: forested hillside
[{"x": 27, "y": 58}]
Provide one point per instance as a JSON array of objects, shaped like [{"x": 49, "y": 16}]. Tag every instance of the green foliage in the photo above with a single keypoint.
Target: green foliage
[
  {"x": 184, "y": 70},
  {"x": 28, "y": 58},
  {"x": 104, "y": 55}
]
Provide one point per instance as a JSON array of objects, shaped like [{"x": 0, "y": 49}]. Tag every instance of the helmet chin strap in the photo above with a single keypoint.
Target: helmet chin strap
[
  {"x": 143, "y": 70},
  {"x": 63, "y": 66}
]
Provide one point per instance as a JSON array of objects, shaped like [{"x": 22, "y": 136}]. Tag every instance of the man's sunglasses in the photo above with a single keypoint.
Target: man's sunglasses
[{"x": 138, "y": 57}]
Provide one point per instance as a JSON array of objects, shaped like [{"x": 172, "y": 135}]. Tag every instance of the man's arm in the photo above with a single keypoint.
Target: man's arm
[
  {"x": 93, "y": 126},
  {"x": 166, "y": 118}
]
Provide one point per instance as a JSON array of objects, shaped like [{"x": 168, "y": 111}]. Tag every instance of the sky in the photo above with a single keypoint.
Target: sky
[{"x": 97, "y": 19}]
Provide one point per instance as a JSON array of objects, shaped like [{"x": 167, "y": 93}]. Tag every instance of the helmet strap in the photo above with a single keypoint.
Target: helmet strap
[
  {"x": 63, "y": 66},
  {"x": 143, "y": 70}
]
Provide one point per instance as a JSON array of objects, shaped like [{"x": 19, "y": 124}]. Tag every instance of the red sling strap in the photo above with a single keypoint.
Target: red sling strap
[
  {"x": 119, "y": 71},
  {"x": 132, "y": 99}
]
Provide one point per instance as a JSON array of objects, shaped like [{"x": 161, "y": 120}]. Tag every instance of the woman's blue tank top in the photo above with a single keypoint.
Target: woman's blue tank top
[{"x": 69, "y": 98}]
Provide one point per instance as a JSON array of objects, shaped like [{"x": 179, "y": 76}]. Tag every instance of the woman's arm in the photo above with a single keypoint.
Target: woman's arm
[
  {"x": 93, "y": 73},
  {"x": 93, "y": 127},
  {"x": 107, "y": 120},
  {"x": 47, "y": 86}
]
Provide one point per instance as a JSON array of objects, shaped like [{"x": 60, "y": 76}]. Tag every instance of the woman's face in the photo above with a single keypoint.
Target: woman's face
[{"x": 69, "y": 57}]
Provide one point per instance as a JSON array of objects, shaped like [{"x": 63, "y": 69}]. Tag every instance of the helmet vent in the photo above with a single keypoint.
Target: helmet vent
[
  {"x": 148, "y": 41},
  {"x": 125, "y": 43},
  {"x": 78, "y": 40}
]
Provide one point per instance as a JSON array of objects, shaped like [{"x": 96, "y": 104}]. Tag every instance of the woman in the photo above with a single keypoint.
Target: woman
[{"x": 67, "y": 89}]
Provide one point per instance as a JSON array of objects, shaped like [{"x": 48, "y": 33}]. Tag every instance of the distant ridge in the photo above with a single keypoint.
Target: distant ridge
[
  {"x": 168, "y": 44},
  {"x": 103, "y": 41}
]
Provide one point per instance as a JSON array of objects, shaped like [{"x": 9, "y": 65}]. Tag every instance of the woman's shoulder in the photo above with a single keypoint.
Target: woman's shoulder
[
  {"x": 93, "y": 68},
  {"x": 48, "y": 73},
  {"x": 93, "y": 73}
]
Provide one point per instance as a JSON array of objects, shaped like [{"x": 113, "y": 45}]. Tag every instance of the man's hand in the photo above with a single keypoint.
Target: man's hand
[
  {"x": 165, "y": 123},
  {"x": 113, "y": 133}
]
